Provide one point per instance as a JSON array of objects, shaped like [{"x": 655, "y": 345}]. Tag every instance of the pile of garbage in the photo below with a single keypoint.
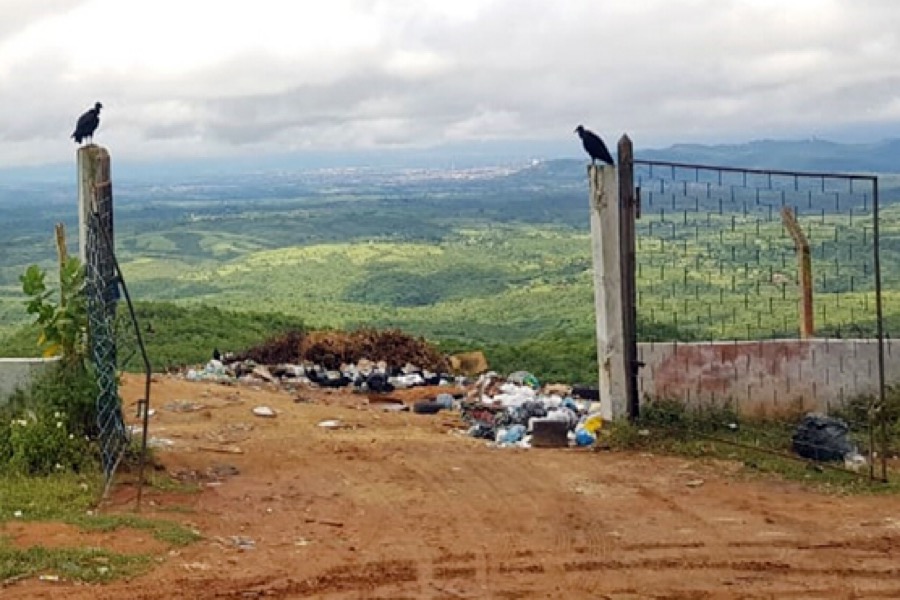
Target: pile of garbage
[
  {"x": 370, "y": 360},
  {"x": 364, "y": 375},
  {"x": 517, "y": 411},
  {"x": 509, "y": 411}
]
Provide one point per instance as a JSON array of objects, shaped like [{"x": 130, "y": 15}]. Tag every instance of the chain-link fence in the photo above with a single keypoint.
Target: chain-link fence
[{"x": 102, "y": 296}]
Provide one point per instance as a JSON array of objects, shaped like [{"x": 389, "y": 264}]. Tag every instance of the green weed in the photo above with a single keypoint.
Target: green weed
[{"x": 90, "y": 565}]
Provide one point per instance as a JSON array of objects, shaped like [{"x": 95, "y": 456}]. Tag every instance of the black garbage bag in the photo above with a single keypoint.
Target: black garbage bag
[
  {"x": 822, "y": 438},
  {"x": 378, "y": 382}
]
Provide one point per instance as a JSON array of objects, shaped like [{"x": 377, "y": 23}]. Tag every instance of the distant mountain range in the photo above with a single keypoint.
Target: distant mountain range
[{"x": 800, "y": 155}]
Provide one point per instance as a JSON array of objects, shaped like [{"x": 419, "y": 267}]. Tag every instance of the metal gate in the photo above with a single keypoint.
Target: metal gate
[{"x": 736, "y": 269}]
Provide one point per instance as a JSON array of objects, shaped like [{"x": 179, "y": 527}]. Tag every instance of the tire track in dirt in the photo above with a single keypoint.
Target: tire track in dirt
[{"x": 395, "y": 508}]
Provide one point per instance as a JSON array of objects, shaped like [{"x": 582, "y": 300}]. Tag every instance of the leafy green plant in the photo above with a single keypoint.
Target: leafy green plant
[
  {"x": 69, "y": 389},
  {"x": 40, "y": 443},
  {"x": 63, "y": 324}
]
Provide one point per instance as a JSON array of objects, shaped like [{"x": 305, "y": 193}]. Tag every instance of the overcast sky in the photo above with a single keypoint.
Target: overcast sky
[{"x": 235, "y": 77}]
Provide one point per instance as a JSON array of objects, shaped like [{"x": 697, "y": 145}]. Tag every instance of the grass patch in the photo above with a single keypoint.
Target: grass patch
[
  {"x": 67, "y": 498},
  {"x": 763, "y": 447},
  {"x": 168, "y": 532},
  {"x": 52, "y": 498},
  {"x": 164, "y": 483},
  {"x": 90, "y": 565},
  {"x": 177, "y": 508}
]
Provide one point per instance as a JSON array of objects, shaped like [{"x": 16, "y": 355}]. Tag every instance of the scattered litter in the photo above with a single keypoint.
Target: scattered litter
[
  {"x": 213, "y": 371},
  {"x": 513, "y": 435},
  {"x": 524, "y": 378},
  {"x": 221, "y": 449},
  {"x": 50, "y": 578},
  {"x": 17, "y": 514},
  {"x": 549, "y": 434},
  {"x": 140, "y": 412},
  {"x": 328, "y": 522},
  {"x": 593, "y": 423},
  {"x": 427, "y": 408},
  {"x": 302, "y": 542},
  {"x": 155, "y": 442},
  {"x": 445, "y": 400},
  {"x": 230, "y": 433},
  {"x": 583, "y": 437},
  {"x": 184, "y": 406},
  {"x": 585, "y": 392},
  {"x": 387, "y": 403},
  {"x": 264, "y": 411},
  {"x": 243, "y": 542},
  {"x": 855, "y": 462},
  {"x": 221, "y": 471},
  {"x": 332, "y": 424},
  {"x": 264, "y": 374},
  {"x": 695, "y": 483}
]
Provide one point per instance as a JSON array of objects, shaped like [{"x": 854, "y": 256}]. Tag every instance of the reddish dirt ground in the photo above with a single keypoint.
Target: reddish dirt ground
[{"x": 397, "y": 505}]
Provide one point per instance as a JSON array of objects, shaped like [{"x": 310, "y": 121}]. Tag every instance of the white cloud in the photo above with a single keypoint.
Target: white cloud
[{"x": 207, "y": 77}]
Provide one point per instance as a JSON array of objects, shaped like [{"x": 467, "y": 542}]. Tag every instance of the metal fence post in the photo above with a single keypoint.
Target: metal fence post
[{"x": 627, "y": 216}]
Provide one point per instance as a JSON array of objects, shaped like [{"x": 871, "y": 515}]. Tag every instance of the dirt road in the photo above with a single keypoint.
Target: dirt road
[{"x": 397, "y": 505}]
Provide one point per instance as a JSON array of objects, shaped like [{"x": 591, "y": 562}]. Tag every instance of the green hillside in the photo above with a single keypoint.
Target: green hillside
[{"x": 499, "y": 261}]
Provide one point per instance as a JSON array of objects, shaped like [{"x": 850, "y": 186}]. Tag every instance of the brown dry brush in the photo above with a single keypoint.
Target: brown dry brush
[
  {"x": 283, "y": 348},
  {"x": 332, "y": 348}
]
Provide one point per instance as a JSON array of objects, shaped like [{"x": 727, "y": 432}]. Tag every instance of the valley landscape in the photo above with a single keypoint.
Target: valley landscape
[{"x": 488, "y": 256}]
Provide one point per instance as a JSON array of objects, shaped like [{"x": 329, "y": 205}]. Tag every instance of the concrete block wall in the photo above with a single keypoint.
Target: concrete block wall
[
  {"x": 766, "y": 377},
  {"x": 18, "y": 372}
]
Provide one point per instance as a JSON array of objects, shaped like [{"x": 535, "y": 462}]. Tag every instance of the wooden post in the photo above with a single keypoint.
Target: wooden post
[
  {"x": 606, "y": 252},
  {"x": 94, "y": 192},
  {"x": 63, "y": 254},
  {"x": 95, "y": 197},
  {"x": 627, "y": 216},
  {"x": 804, "y": 266}
]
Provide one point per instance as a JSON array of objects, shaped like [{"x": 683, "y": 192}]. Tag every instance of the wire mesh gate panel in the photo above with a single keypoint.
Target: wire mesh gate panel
[
  {"x": 715, "y": 259},
  {"x": 720, "y": 297},
  {"x": 102, "y": 294}
]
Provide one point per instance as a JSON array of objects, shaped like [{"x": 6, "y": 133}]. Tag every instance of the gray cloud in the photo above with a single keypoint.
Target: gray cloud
[
  {"x": 700, "y": 70},
  {"x": 19, "y": 14}
]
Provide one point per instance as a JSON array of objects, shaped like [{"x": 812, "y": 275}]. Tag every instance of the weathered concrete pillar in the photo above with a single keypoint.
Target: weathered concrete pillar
[{"x": 608, "y": 309}]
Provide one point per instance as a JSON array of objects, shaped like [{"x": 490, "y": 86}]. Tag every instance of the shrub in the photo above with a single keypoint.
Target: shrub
[
  {"x": 70, "y": 389},
  {"x": 46, "y": 427},
  {"x": 40, "y": 443}
]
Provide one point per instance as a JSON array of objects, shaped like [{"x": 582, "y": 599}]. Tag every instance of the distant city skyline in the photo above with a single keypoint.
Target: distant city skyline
[{"x": 228, "y": 79}]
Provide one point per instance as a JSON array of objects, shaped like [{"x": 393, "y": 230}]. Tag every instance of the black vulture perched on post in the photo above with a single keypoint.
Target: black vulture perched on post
[
  {"x": 87, "y": 123},
  {"x": 594, "y": 145}
]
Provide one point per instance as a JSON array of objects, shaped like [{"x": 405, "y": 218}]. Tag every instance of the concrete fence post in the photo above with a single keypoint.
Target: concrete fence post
[{"x": 608, "y": 306}]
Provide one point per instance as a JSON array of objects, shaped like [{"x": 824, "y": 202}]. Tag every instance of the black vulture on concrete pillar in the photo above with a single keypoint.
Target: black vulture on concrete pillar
[
  {"x": 87, "y": 124},
  {"x": 594, "y": 146}
]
